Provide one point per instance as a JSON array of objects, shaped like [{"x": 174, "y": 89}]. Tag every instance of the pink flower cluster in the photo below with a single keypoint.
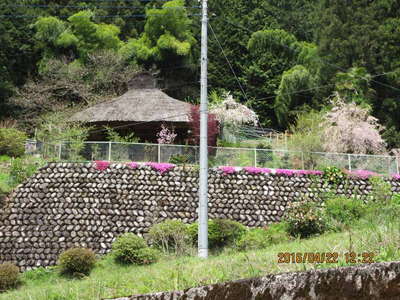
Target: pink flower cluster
[
  {"x": 362, "y": 174},
  {"x": 396, "y": 176},
  {"x": 287, "y": 172},
  {"x": 101, "y": 165},
  {"x": 227, "y": 170},
  {"x": 161, "y": 167},
  {"x": 133, "y": 165},
  {"x": 254, "y": 170},
  {"x": 166, "y": 136},
  {"x": 309, "y": 172}
]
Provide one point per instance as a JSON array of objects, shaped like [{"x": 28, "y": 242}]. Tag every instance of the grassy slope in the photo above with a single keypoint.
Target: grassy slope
[{"x": 112, "y": 280}]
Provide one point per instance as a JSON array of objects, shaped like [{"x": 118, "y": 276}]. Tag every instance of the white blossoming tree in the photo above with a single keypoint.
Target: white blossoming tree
[
  {"x": 349, "y": 128},
  {"x": 231, "y": 114}
]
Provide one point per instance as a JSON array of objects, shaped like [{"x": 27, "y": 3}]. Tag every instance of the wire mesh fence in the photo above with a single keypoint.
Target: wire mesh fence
[{"x": 218, "y": 156}]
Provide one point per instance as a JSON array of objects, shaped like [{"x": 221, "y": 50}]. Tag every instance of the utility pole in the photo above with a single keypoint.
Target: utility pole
[{"x": 203, "y": 184}]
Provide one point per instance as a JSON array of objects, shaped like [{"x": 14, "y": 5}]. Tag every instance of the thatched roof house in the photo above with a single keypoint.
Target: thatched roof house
[{"x": 142, "y": 110}]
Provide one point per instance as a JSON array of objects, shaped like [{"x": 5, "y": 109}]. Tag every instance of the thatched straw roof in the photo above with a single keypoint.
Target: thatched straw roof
[{"x": 142, "y": 103}]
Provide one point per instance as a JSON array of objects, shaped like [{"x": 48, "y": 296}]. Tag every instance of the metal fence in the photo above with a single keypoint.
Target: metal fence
[{"x": 218, "y": 156}]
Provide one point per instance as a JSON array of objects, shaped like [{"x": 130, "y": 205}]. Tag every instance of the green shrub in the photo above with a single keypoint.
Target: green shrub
[
  {"x": 132, "y": 249},
  {"x": 9, "y": 276},
  {"x": 77, "y": 262},
  {"x": 395, "y": 200},
  {"x": 5, "y": 189},
  {"x": 221, "y": 232},
  {"x": 21, "y": 169},
  {"x": 259, "y": 238},
  {"x": 333, "y": 175},
  {"x": 305, "y": 218},
  {"x": 179, "y": 159},
  {"x": 146, "y": 256},
  {"x": 381, "y": 190},
  {"x": 344, "y": 210},
  {"x": 256, "y": 238},
  {"x": 170, "y": 235},
  {"x": 12, "y": 142},
  {"x": 4, "y": 158}
]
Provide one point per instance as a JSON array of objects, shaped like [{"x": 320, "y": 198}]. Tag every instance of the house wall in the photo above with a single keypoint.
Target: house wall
[{"x": 72, "y": 204}]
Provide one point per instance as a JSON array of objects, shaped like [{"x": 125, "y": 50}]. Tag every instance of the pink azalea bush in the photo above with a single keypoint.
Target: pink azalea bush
[
  {"x": 285, "y": 172},
  {"x": 101, "y": 165},
  {"x": 161, "y": 167},
  {"x": 309, "y": 172},
  {"x": 396, "y": 176},
  {"x": 362, "y": 174},
  {"x": 254, "y": 170},
  {"x": 227, "y": 170},
  {"x": 133, "y": 165}
]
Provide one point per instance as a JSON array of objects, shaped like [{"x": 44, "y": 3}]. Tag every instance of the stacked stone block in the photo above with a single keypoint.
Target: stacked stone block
[{"x": 68, "y": 205}]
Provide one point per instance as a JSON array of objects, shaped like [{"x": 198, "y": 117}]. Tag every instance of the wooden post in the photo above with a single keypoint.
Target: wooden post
[{"x": 109, "y": 151}]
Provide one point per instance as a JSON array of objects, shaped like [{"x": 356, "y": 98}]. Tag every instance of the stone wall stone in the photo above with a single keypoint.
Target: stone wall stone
[
  {"x": 373, "y": 282},
  {"x": 72, "y": 204}
]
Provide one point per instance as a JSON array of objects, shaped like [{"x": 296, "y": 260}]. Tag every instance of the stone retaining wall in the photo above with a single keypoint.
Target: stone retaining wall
[
  {"x": 71, "y": 204},
  {"x": 372, "y": 282}
]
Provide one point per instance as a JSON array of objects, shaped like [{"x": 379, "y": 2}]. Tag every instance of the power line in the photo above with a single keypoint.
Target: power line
[
  {"x": 127, "y": 0},
  {"x": 322, "y": 60},
  {"x": 318, "y": 87},
  {"x": 91, "y": 6},
  {"x": 229, "y": 63},
  {"x": 108, "y": 16}
]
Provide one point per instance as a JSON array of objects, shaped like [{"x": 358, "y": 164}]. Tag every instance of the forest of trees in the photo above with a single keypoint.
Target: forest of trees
[{"x": 288, "y": 56}]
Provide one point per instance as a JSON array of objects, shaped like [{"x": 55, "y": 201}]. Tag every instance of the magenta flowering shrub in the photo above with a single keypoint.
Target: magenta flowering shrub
[
  {"x": 396, "y": 176},
  {"x": 161, "y": 167},
  {"x": 254, "y": 170},
  {"x": 227, "y": 170},
  {"x": 133, "y": 165},
  {"x": 101, "y": 165},
  {"x": 285, "y": 172},
  {"x": 362, "y": 174},
  {"x": 309, "y": 172}
]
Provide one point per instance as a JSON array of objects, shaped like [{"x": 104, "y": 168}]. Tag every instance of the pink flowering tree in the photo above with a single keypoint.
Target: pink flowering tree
[
  {"x": 349, "y": 128},
  {"x": 166, "y": 136}
]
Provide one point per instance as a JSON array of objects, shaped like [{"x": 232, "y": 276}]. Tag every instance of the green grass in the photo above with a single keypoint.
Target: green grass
[{"x": 376, "y": 233}]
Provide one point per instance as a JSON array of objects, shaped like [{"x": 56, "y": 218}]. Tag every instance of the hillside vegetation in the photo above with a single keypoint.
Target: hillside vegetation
[{"x": 287, "y": 57}]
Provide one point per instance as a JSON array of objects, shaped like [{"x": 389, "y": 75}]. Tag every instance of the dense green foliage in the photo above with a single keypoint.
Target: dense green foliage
[
  {"x": 289, "y": 57},
  {"x": 344, "y": 210},
  {"x": 259, "y": 238},
  {"x": 77, "y": 262},
  {"x": 9, "y": 276},
  {"x": 305, "y": 218},
  {"x": 170, "y": 235},
  {"x": 12, "y": 142},
  {"x": 23, "y": 168},
  {"x": 221, "y": 232},
  {"x": 132, "y": 249}
]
